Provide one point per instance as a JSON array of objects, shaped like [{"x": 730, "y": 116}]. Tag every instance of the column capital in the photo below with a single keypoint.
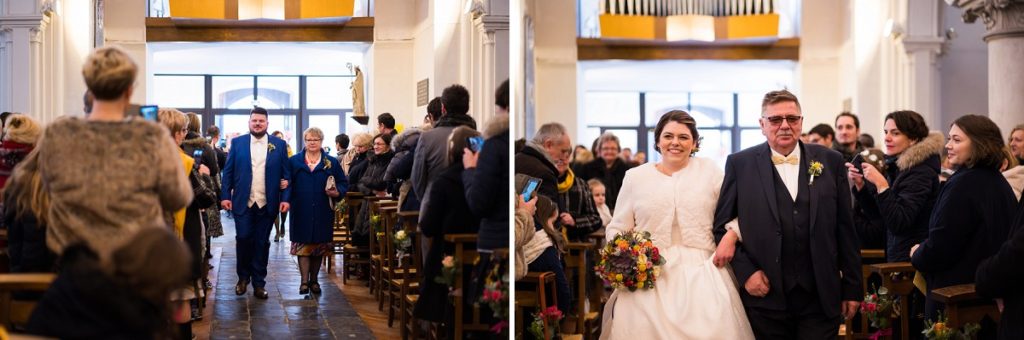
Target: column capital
[{"x": 1002, "y": 18}]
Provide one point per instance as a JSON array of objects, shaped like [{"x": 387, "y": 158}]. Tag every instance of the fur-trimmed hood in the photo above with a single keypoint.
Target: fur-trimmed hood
[
  {"x": 496, "y": 126},
  {"x": 194, "y": 140},
  {"x": 406, "y": 140},
  {"x": 920, "y": 152}
]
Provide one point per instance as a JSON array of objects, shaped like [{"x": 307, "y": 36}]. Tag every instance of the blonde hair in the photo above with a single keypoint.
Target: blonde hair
[
  {"x": 109, "y": 72},
  {"x": 315, "y": 131},
  {"x": 27, "y": 185},
  {"x": 172, "y": 119},
  {"x": 362, "y": 139},
  {"x": 194, "y": 122},
  {"x": 22, "y": 129}
]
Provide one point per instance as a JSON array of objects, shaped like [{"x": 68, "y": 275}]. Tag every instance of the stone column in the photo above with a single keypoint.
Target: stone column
[
  {"x": 493, "y": 63},
  {"x": 1004, "y": 21},
  {"x": 21, "y": 84}
]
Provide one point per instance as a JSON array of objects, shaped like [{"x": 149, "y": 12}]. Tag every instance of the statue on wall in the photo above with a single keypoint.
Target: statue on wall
[{"x": 358, "y": 105}]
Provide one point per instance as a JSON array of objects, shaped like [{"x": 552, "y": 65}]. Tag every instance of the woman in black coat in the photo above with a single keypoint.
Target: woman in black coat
[
  {"x": 609, "y": 168},
  {"x": 1000, "y": 277},
  {"x": 445, "y": 211},
  {"x": 971, "y": 218},
  {"x": 371, "y": 183},
  {"x": 902, "y": 197}
]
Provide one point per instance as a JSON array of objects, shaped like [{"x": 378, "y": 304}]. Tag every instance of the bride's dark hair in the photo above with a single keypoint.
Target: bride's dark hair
[{"x": 681, "y": 117}]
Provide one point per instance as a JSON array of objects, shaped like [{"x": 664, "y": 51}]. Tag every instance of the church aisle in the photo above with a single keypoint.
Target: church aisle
[{"x": 286, "y": 314}]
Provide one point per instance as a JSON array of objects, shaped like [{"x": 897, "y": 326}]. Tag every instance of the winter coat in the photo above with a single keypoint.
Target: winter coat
[{"x": 487, "y": 186}]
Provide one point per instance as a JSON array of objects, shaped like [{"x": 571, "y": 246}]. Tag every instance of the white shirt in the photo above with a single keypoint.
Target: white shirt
[
  {"x": 790, "y": 173},
  {"x": 258, "y": 154}
]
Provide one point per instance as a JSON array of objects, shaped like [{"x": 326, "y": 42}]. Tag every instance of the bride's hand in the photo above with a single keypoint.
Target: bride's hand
[{"x": 724, "y": 253}]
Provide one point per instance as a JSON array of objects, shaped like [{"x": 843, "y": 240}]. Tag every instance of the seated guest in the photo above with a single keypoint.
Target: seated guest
[
  {"x": 971, "y": 218},
  {"x": 24, "y": 215},
  {"x": 543, "y": 252},
  {"x": 128, "y": 299},
  {"x": 444, "y": 212}
]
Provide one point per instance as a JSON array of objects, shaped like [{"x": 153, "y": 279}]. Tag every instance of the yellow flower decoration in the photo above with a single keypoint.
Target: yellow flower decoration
[
  {"x": 814, "y": 169},
  {"x": 270, "y": 147},
  {"x": 327, "y": 163}
]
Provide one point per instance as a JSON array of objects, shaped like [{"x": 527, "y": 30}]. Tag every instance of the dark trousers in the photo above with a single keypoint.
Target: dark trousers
[
  {"x": 252, "y": 241},
  {"x": 802, "y": 319},
  {"x": 548, "y": 261}
]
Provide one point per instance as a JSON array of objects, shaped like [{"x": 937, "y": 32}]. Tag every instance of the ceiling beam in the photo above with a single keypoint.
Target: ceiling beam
[
  {"x": 343, "y": 29},
  {"x": 747, "y": 49}
]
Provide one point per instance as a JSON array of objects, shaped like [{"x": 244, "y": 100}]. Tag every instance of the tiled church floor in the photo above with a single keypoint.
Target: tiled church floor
[{"x": 286, "y": 314}]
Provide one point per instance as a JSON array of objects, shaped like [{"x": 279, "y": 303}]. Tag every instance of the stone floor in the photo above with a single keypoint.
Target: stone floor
[{"x": 286, "y": 314}]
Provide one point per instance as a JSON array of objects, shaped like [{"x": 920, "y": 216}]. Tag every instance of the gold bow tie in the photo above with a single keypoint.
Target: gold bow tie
[{"x": 791, "y": 159}]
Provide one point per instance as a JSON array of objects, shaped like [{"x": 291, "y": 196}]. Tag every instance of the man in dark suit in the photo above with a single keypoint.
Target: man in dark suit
[
  {"x": 255, "y": 190},
  {"x": 798, "y": 260}
]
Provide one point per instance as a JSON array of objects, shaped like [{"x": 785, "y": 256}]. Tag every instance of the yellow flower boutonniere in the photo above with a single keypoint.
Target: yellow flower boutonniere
[
  {"x": 814, "y": 170},
  {"x": 327, "y": 163},
  {"x": 270, "y": 147}
]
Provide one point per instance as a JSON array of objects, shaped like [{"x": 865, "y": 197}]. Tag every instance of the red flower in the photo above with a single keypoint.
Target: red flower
[
  {"x": 552, "y": 313},
  {"x": 500, "y": 326},
  {"x": 871, "y": 307}
]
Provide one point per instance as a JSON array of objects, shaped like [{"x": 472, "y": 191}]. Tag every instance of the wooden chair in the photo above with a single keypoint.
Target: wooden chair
[
  {"x": 898, "y": 278},
  {"x": 576, "y": 265},
  {"x": 540, "y": 283},
  {"x": 410, "y": 276},
  {"x": 393, "y": 267},
  {"x": 353, "y": 257},
  {"x": 466, "y": 254},
  {"x": 15, "y": 313},
  {"x": 375, "y": 203},
  {"x": 861, "y": 331},
  {"x": 340, "y": 235},
  {"x": 963, "y": 305}
]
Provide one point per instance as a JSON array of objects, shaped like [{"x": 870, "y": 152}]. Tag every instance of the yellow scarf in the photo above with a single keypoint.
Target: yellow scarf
[
  {"x": 564, "y": 186},
  {"x": 179, "y": 216}
]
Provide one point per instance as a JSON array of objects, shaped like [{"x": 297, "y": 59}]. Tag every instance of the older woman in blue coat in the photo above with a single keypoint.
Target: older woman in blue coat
[{"x": 312, "y": 172}]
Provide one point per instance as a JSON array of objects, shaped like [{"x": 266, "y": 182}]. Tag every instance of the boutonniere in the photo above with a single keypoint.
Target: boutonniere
[
  {"x": 814, "y": 170},
  {"x": 327, "y": 163},
  {"x": 270, "y": 147}
]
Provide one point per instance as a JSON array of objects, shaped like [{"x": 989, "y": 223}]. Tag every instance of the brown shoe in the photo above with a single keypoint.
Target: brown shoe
[
  {"x": 241, "y": 287},
  {"x": 260, "y": 293}
]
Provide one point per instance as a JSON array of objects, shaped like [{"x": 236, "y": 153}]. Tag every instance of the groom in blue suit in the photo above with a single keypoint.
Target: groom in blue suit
[
  {"x": 799, "y": 258},
  {"x": 255, "y": 189}
]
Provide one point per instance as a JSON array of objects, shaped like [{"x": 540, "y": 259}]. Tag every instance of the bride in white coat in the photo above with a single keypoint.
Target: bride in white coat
[{"x": 675, "y": 201}]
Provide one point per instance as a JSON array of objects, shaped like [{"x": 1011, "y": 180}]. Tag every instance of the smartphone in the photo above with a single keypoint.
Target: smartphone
[
  {"x": 857, "y": 161},
  {"x": 197, "y": 155},
  {"x": 476, "y": 143},
  {"x": 531, "y": 187},
  {"x": 148, "y": 112}
]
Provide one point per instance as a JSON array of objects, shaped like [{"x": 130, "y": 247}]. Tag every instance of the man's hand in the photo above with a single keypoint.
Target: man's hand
[
  {"x": 850, "y": 309},
  {"x": 285, "y": 206},
  {"x": 284, "y": 184},
  {"x": 757, "y": 284},
  {"x": 469, "y": 158},
  {"x": 567, "y": 219},
  {"x": 226, "y": 204}
]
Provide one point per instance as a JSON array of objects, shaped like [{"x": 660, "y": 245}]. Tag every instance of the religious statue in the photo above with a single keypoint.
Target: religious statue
[{"x": 358, "y": 104}]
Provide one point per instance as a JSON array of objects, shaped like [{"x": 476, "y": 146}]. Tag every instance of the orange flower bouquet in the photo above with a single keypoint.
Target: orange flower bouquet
[{"x": 630, "y": 261}]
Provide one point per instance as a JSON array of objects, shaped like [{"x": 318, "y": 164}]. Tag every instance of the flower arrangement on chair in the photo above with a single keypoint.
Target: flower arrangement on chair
[
  {"x": 450, "y": 269},
  {"x": 940, "y": 330},
  {"x": 548, "y": 317},
  {"x": 630, "y": 261},
  {"x": 495, "y": 295},
  {"x": 880, "y": 309}
]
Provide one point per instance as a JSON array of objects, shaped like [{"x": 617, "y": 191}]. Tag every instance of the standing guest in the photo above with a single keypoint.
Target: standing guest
[
  {"x": 400, "y": 169},
  {"x": 1016, "y": 143},
  {"x": 999, "y": 277},
  {"x": 640, "y": 158},
  {"x": 430, "y": 157},
  {"x": 386, "y": 124},
  {"x": 581, "y": 217},
  {"x": 597, "y": 188},
  {"x": 847, "y": 133},
  {"x": 279, "y": 222},
  {"x": 445, "y": 212},
  {"x": 433, "y": 112},
  {"x": 341, "y": 145},
  {"x": 188, "y": 222},
  {"x": 356, "y": 156},
  {"x": 971, "y": 218},
  {"x": 255, "y": 189},
  {"x": 316, "y": 180},
  {"x": 821, "y": 134},
  {"x": 610, "y": 168},
  {"x": 903, "y": 195},
  {"x": 539, "y": 158},
  {"x": 137, "y": 168},
  {"x": 626, "y": 155},
  {"x": 866, "y": 141},
  {"x": 24, "y": 216},
  {"x": 1013, "y": 172},
  {"x": 213, "y": 133},
  {"x": 371, "y": 183},
  {"x": 20, "y": 134},
  {"x": 194, "y": 142}
]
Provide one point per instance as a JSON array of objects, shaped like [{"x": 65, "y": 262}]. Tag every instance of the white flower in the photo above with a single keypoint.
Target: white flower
[
  {"x": 873, "y": 158},
  {"x": 865, "y": 152},
  {"x": 400, "y": 235}
]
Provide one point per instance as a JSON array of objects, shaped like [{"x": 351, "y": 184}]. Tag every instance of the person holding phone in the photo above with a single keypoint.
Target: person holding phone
[
  {"x": 141, "y": 174},
  {"x": 445, "y": 211},
  {"x": 317, "y": 179}
]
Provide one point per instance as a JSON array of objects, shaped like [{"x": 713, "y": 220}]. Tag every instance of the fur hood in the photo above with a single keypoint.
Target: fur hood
[
  {"x": 918, "y": 153},
  {"x": 496, "y": 126},
  {"x": 194, "y": 140},
  {"x": 406, "y": 140}
]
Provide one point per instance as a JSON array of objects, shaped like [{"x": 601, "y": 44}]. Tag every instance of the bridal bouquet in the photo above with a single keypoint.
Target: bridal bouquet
[{"x": 630, "y": 261}]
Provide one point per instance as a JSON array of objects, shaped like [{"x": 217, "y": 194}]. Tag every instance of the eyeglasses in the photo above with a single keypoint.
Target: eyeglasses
[
  {"x": 777, "y": 120},
  {"x": 313, "y": 140}
]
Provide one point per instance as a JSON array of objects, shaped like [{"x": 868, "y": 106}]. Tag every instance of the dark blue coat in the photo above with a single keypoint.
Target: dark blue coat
[
  {"x": 971, "y": 219},
  {"x": 236, "y": 176},
  {"x": 1000, "y": 276},
  {"x": 312, "y": 217}
]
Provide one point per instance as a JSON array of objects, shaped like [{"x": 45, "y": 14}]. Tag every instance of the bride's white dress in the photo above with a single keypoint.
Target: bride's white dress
[{"x": 692, "y": 298}]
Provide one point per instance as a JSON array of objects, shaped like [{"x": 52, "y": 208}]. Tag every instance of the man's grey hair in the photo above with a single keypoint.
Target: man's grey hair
[{"x": 549, "y": 131}]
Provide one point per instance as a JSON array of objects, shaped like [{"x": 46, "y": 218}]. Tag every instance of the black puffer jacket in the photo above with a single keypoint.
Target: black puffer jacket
[
  {"x": 373, "y": 179},
  {"x": 905, "y": 208}
]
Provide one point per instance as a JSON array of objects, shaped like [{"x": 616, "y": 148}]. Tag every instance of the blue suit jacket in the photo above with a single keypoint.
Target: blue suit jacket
[
  {"x": 236, "y": 177},
  {"x": 748, "y": 193}
]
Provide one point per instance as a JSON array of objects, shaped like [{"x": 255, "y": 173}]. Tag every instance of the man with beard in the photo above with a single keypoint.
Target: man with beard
[
  {"x": 847, "y": 133},
  {"x": 255, "y": 190}
]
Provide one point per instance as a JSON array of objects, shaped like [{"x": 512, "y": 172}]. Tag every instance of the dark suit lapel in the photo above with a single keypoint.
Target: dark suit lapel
[
  {"x": 764, "y": 169},
  {"x": 805, "y": 178},
  {"x": 245, "y": 155}
]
